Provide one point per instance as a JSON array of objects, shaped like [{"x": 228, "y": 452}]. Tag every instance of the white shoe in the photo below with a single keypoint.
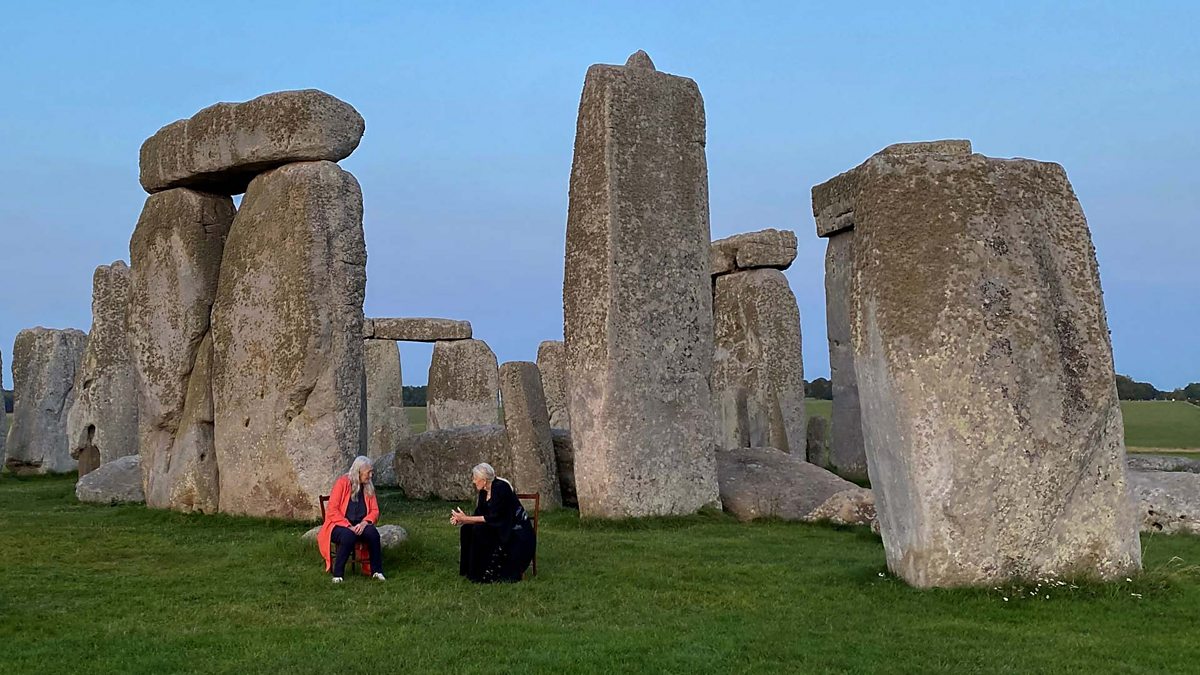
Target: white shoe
[
  {"x": 337, "y": 580},
  {"x": 379, "y": 576}
]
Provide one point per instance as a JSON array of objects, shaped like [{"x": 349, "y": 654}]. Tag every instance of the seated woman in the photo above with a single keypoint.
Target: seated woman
[
  {"x": 498, "y": 541},
  {"x": 350, "y": 518}
]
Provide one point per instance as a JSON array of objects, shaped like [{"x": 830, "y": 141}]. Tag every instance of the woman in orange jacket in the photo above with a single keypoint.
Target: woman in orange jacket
[{"x": 350, "y": 518}]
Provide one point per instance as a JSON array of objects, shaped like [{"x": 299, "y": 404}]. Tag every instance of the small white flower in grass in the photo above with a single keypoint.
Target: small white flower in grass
[
  {"x": 1128, "y": 579},
  {"x": 1136, "y": 595},
  {"x": 881, "y": 574},
  {"x": 1006, "y": 599}
]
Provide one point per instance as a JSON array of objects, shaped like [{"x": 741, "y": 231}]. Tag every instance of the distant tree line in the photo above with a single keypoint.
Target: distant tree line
[
  {"x": 1129, "y": 389},
  {"x": 8, "y": 399},
  {"x": 819, "y": 388},
  {"x": 414, "y": 397}
]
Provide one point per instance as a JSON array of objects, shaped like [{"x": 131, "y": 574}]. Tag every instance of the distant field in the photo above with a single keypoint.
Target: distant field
[{"x": 416, "y": 419}]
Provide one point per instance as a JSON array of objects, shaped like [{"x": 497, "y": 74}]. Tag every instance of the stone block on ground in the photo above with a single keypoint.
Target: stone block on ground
[
  {"x": 769, "y": 483},
  {"x": 113, "y": 482},
  {"x": 528, "y": 424},
  {"x": 221, "y": 148},
  {"x": 552, "y": 364},
  {"x": 1144, "y": 462},
  {"x": 416, "y": 329},
  {"x": 45, "y": 362},
  {"x": 437, "y": 463},
  {"x": 387, "y": 422},
  {"x": 1167, "y": 501},
  {"x": 765, "y": 248},
  {"x": 464, "y": 385},
  {"x": 390, "y": 536}
]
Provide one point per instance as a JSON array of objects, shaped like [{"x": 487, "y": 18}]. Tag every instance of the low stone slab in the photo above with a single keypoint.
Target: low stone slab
[
  {"x": 437, "y": 464},
  {"x": 769, "y": 483},
  {"x": 416, "y": 329},
  {"x": 1163, "y": 463},
  {"x": 390, "y": 536},
  {"x": 1167, "y": 501},
  {"x": 765, "y": 248},
  {"x": 221, "y": 148},
  {"x": 117, "y": 481}
]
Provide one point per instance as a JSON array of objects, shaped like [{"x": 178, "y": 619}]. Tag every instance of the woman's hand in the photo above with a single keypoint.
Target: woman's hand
[
  {"x": 457, "y": 517},
  {"x": 358, "y": 529}
]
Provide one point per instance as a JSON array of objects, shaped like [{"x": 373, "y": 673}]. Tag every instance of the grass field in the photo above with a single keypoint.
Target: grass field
[{"x": 125, "y": 589}]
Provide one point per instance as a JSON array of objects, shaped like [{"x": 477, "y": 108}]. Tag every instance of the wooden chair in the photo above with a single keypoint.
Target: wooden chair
[
  {"x": 536, "y": 498},
  {"x": 357, "y": 558}
]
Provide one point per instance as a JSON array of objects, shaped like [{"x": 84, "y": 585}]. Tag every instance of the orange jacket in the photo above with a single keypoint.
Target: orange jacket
[{"x": 335, "y": 514}]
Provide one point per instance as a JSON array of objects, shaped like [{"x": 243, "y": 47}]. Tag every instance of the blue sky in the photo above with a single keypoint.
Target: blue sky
[{"x": 470, "y": 111}]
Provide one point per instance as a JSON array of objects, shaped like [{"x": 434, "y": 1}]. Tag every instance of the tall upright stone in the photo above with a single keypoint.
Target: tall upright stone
[
  {"x": 990, "y": 413},
  {"x": 463, "y": 385},
  {"x": 45, "y": 362},
  {"x": 175, "y": 259},
  {"x": 3, "y": 413},
  {"x": 287, "y": 341},
  {"x": 846, "y": 453},
  {"x": 387, "y": 422},
  {"x": 552, "y": 364},
  {"x": 102, "y": 424},
  {"x": 637, "y": 296},
  {"x": 758, "y": 368},
  {"x": 527, "y": 421}
]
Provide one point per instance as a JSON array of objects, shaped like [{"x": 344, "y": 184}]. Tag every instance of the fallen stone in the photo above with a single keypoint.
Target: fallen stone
[
  {"x": 528, "y": 426},
  {"x": 44, "y": 367},
  {"x": 758, "y": 366},
  {"x": 1142, "y": 462},
  {"x": 751, "y": 250},
  {"x": 387, "y": 422},
  {"x": 390, "y": 536},
  {"x": 769, "y": 483},
  {"x": 221, "y": 148},
  {"x": 552, "y": 364},
  {"x": 437, "y": 464},
  {"x": 463, "y": 385},
  {"x": 417, "y": 329},
  {"x": 175, "y": 260},
  {"x": 287, "y": 341},
  {"x": 113, "y": 482},
  {"x": 1167, "y": 501},
  {"x": 102, "y": 424},
  {"x": 637, "y": 296},
  {"x": 564, "y": 460},
  {"x": 990, "y": 416}
]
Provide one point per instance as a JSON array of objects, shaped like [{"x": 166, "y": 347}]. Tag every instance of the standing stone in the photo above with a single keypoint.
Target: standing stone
[
  {"x": 551, "y": 363},
  {"x": 463, "y": 385},
  {"x": 564, "y": 458},
  {"x": 387, "y": 422},
  {"x": 758, "y": 368},
  {"x": 221, "y": 148},
  {"x": 528, "y": 424},
  {"x": 847, "y": 455},
  {"x": 637, "y": 296},
  {"x": 102, "y": 425},
  {"x": 287, "y": 341},
  {"x": 175, "y": 259},
  {"x": 3, "y": 413},
  {"x": 818, "y": 445},
  {"x": 44, "y": 365},
  {"x": 989, "y": 406}
]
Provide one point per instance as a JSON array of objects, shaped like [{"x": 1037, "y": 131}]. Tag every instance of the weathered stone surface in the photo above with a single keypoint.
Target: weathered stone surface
[
  {"x": 102, "y": 424},
  {"x": 417, "y": 329},
  {"x": 113, "y": 482},
  {"x": 463, "y": 385},
  {"x": 848, "y": 456},
  {"x": 1141, "y": 462},
  {"x": 390, "y": 536},
  {"x": 984, "y": 368},
  {"x": 175, "y": 259},
  {"x": 528, "y": 424},
  {"x": 287, "y": 341},
  {"x": 385, "y": 470},
  {"x": 758, "y": 367},
  {"x": 637, "y": 296},
  {"x": 437, "y": 464},
  {"x": 770, "y": 483},
  {"x": 387, "y": 422},
  {"x": 44, "y": 365},
  {"x": 1167, "y": 501},
  {"x": 564, "y": 460},
  {"x": 751, "y": 250},
  {"x": 817, "y": 449},
  {"x": 3, "y": 414},
  {"x": 552, "y": 364},
  {"x": 221, "y": 148}
]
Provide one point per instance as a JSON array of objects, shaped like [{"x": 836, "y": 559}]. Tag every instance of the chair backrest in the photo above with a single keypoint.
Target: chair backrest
[
  {"x": 536, "y": 497},
  {"x": 323, "y": 499}
]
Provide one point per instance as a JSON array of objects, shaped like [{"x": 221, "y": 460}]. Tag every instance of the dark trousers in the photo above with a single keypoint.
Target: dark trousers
[{"x": 345, "y": 539}]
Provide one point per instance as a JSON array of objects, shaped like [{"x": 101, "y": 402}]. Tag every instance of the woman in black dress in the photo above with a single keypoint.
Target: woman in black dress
[{"x": 498, "y": 541}]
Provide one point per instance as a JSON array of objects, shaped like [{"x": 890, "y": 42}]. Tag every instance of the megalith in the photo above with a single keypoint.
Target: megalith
[
  {"x": 463, "y": 385},
  {"x": 846, "y": 453},
  {"x": 437, "y": 463},
  {"x": 758, "y": 369},
  {"x": 287, "y": 329},
  {"x": 45, "y": 362},
  {"x": 416, "y": 329},
  {"x": 527, "y": 421},
  {"x": 637, "y": 296},
  {"x": 3, "y": 414},
  {"x": 551, "y": 363},
  {"x": 989, "y": 407},
  {"x": 175, "y": 259},
  {"x": 387, "y": 422},
  {"x": 102, "y": 424}
]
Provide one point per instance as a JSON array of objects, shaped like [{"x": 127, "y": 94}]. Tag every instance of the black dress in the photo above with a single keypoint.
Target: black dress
[{"x": 501, "y": 548}]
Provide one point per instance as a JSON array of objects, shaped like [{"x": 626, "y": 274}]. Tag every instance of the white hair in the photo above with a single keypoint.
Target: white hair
[
  {"x": 361, "y": 462},
  {"x": 484, "y": 471}
]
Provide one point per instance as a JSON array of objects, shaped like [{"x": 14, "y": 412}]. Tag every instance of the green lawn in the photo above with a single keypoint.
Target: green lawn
[
  {"x": 1161, "y": 424},
  {"x": 124, "y": 589},
  {"x": 416, "y": 419}
]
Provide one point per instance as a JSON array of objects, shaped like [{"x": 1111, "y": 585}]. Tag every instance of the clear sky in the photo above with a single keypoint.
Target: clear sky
[{"x": 471, "y": 106}]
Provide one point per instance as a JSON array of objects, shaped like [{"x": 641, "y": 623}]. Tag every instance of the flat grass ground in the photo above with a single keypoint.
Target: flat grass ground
[{"x": 126, "y": 589}]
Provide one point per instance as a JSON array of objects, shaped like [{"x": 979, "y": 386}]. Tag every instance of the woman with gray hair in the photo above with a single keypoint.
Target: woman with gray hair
[
  {"x": 498, "y": 541},
  {"x": 350, "y": 519}
]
